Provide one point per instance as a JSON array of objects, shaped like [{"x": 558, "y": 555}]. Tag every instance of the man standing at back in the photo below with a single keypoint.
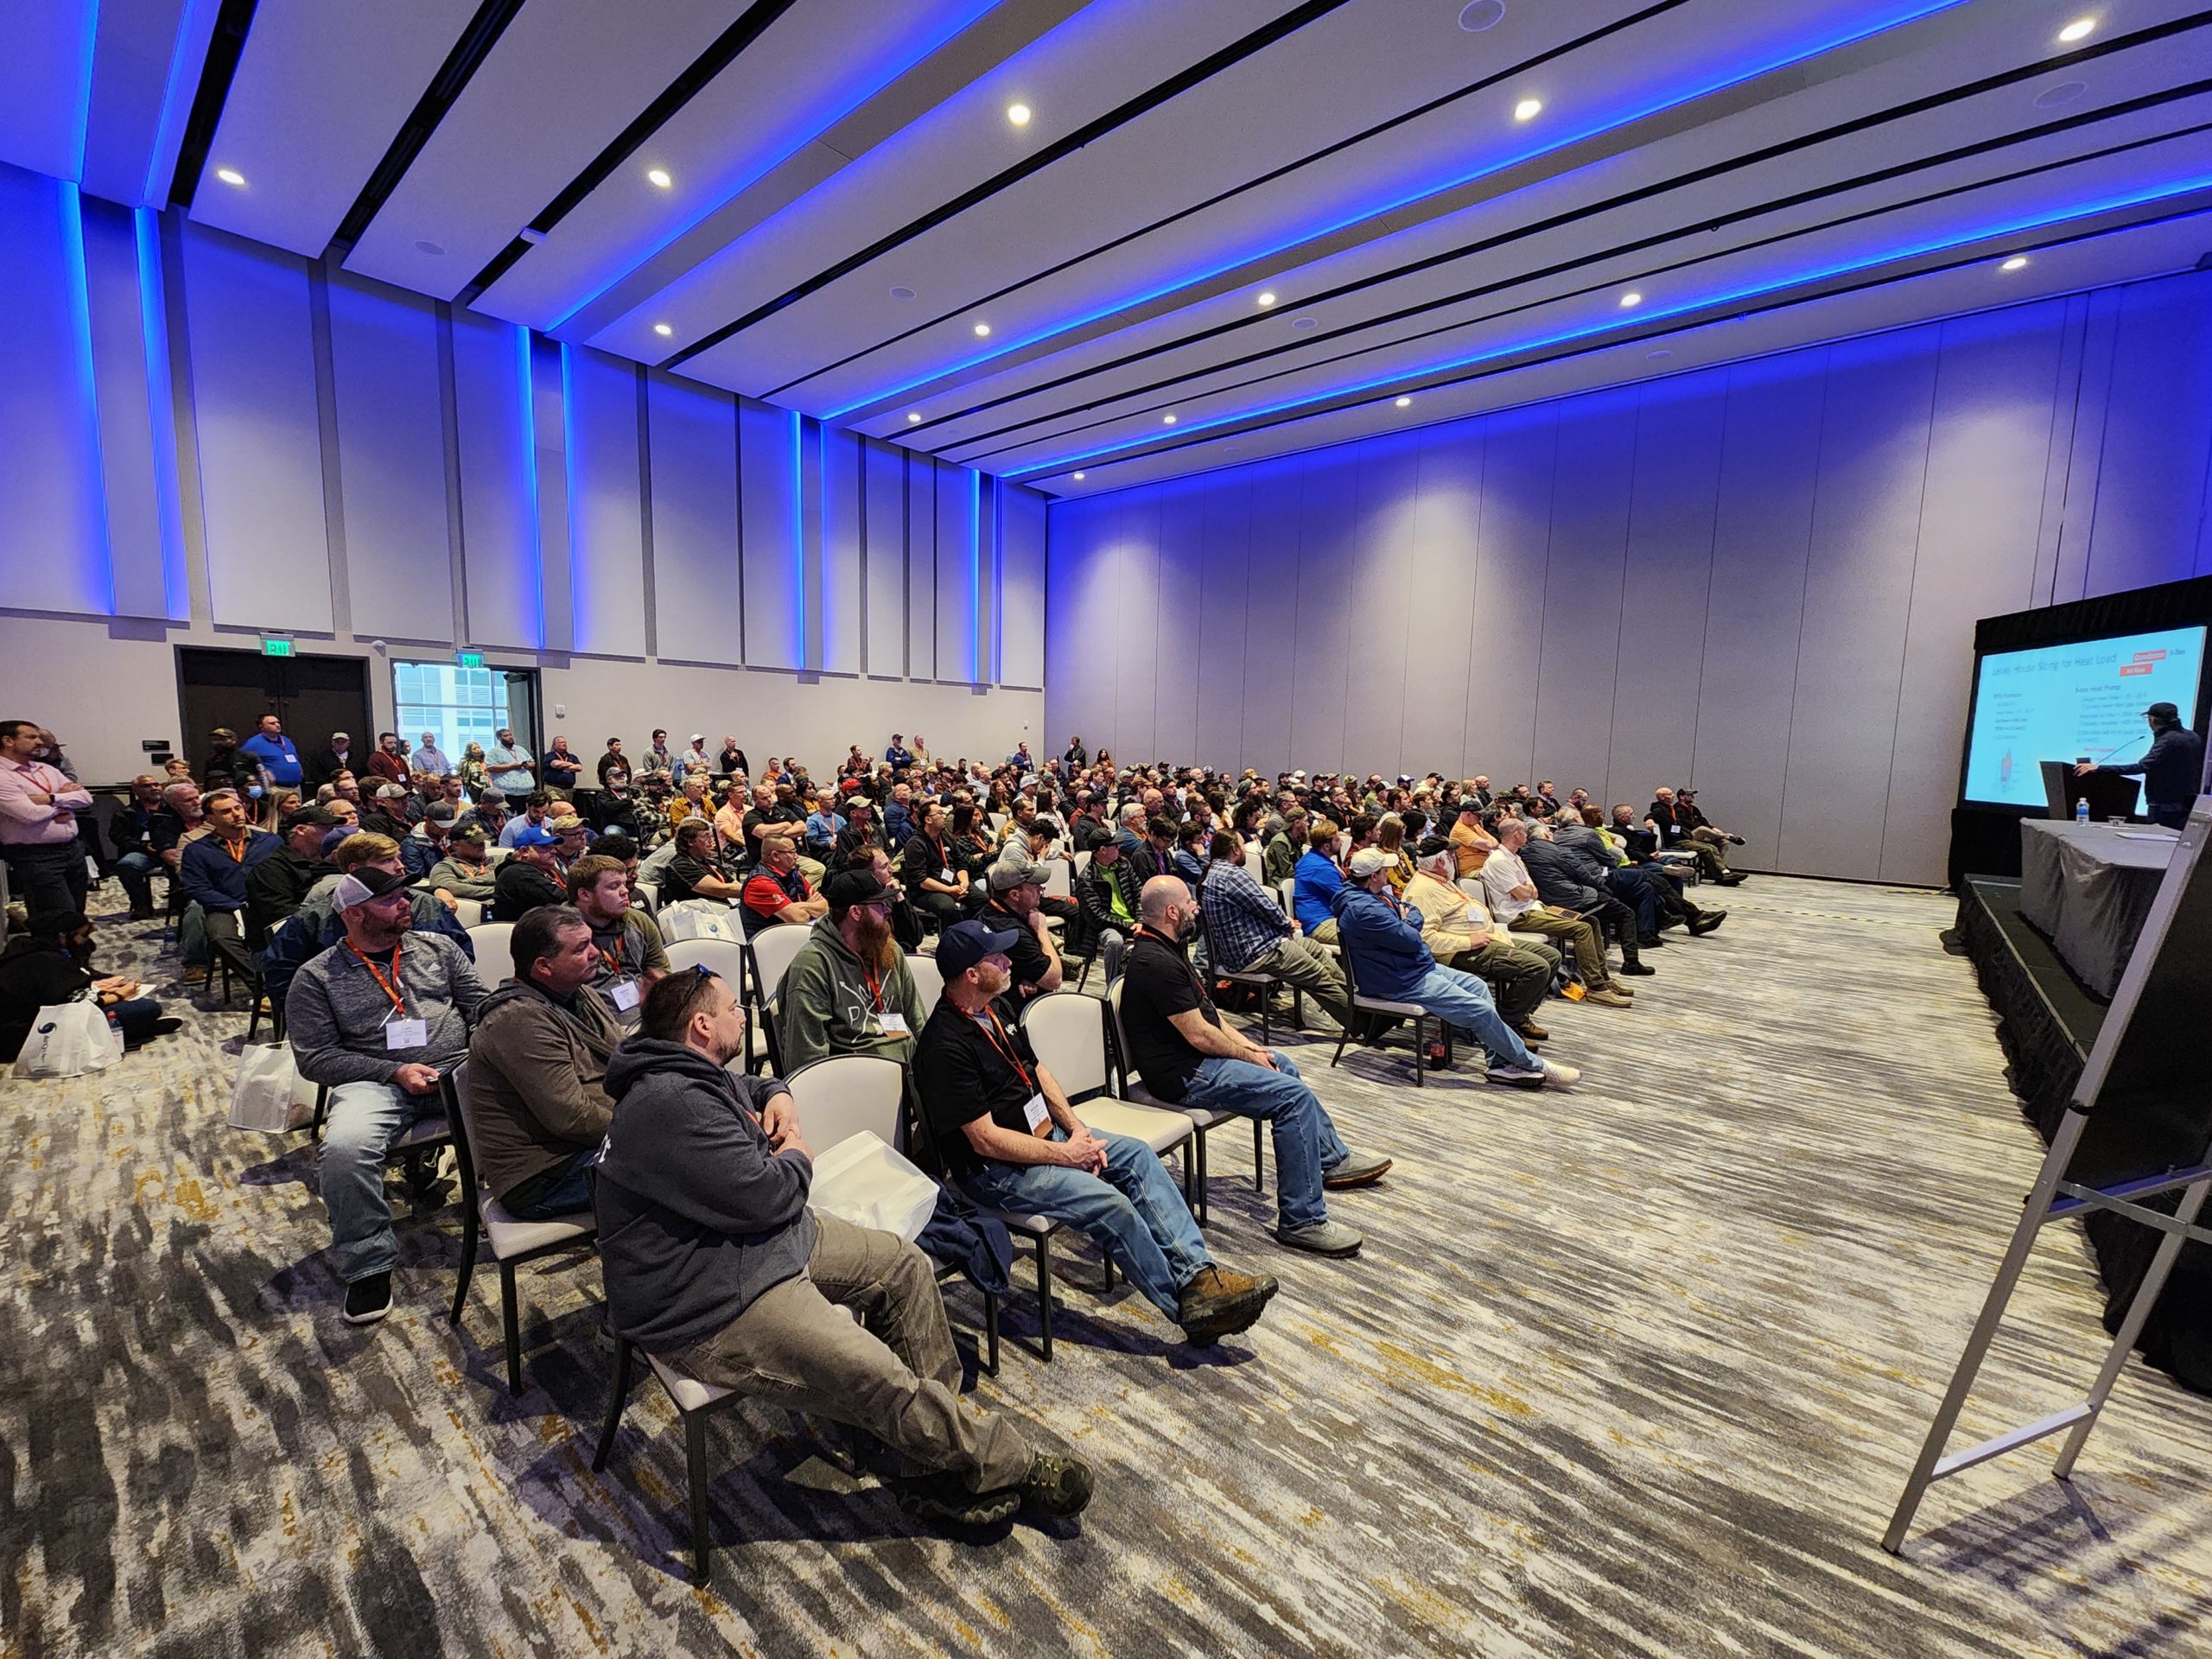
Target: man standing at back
[
  {"x": 510, "y": 765},
  {"x": 273, "y": 752},
  {"x": 39, "y": 810}
]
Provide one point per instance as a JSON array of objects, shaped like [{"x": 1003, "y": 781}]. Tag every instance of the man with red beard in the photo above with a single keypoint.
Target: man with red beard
[{"x": 847, "y": 991}]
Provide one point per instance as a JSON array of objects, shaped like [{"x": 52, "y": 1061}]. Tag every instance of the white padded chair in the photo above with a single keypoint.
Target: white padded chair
[
  {"x": 469, "y": 913},
  {"x": 929, "y": 984},
  {"x": 772, "y": 949},
  {"x": 1393, "y": 1012},
  {"x": 1287, "y": 891},
  {"x": 494, "y": 956},
  {"x": 1068, "y": 1031},
  {"x": 1058, "y": 882},
  {"x": 1204, "y": 1121},
  {"x": 1082, "y": 862},
  {"x": 727, "y": 958}
]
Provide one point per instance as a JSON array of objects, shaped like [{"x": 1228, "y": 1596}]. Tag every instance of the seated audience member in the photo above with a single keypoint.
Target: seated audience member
[
  {"x": 773, "y": 818},
  {"x": 561, "y": 768},
  {"x": 1188, "y": 1057},
  {"x": 1087, "y": 829},
  {"x": 1317, "y": 882},
  {"x": 1457, "y": 930},
  {"x": 898, "y": 818},
  {"x": 538, "y": 1104},
  {"x": 934, "y": 881},
  {"x": 429, "y": 842},
  {"x": 386, "y": 813},
  {"x": 537, "y": 807},
  {"x": 1657, "y": 900},
  {"x": 1106, "y": 918},
  {"x": 1512, "y": 897},
  {"x": 1571, "y": 880},
  {"x": 775, "y": 891},
  {"x": 691, "y": 799},
  {"x": 1244, "y": 923},
  {"x": 715, "y": 1265},
  {"x": 862, "y": 829},
  {"x": 315, "y": 926},
  {"x": 571, "y": 840},
  {"x": 1386, "y": 958},
  {"x": 1471, "y": 845},
  {"x": 848, "y": 990},
  {"x": 214, "y": 871},
  {"x": 628, "y": 956},
  {"x": 1640, "y": 839},
  {"x": 1011, "y": 1142},
  {"x": 130, "y": 834},
  {"x": 1130, "y": 831},
  {"x": 48, "y": 962},
  {"x": 1682, "y": 829},
  {"x": 279, "y": 885},
  {"x": 464, "y": 871},
  {"x": 824, "y": 823},
  {"x": 693, "y": 871},
  {"x": 378, "y": 1019},
  {"x": 1285, "y": 848},
  {"x": 531, "y": 877},
  {"x": 1030, "y": 841},
  {"x": 1016, "y": 908}
]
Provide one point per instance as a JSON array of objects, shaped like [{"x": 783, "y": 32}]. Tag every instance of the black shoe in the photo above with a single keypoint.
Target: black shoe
[
  {"x": 1651, "y": 942},
  {"x": 1706, "y": 921},
  {"x": 1730, "y": 879},
  {"x": 1637, "y": 968},
  {"x": 1056, "y": 1486},
  {"x": 368, "y": 1299},
  {"x": 163, "y": 1026},
  {"x": 945, "y": 1497},
  {"x": 1734, "y": 840}
]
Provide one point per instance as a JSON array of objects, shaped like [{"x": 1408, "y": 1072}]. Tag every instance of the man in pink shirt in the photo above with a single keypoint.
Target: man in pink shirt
[{"x": 38, "y": 822}]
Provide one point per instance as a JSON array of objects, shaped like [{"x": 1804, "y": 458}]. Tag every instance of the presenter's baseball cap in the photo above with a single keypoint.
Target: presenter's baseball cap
[{"x": 2163, "y": 711}]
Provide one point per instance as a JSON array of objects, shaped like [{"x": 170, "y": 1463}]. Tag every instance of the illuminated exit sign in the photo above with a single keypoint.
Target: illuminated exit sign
[
  {"x": 276, "y": 647},
  {"x": 469, "y": 659}
]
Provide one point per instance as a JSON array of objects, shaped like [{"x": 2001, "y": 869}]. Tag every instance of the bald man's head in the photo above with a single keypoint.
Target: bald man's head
[{"x": 1164, "y": 906}]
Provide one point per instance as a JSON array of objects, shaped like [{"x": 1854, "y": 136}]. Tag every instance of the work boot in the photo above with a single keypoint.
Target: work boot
[
  {"x": 1608, "y": 997},
  {"x": 1358, "y": 1169},
  {"x": 1218, "y": 1303},
  {"x": 1705, "y": 921},
  {"x": 1529, "y": 1030}
]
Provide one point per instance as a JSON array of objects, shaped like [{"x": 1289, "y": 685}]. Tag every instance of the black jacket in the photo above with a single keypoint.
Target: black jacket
[
  {"x": 33, "y": 974},
  {"x": 1561, "y": 876},
  {"x": 276, "y": 886},
  {"x": 1095, "y": 907},
  {"x": 323, "y": 765},
  {"x": 131, "y": 829},
  {"x": 519, "y": 888},
  {"x": 2172, "y": 769}
]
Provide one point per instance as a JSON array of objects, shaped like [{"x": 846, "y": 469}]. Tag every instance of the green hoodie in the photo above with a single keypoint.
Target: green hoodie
[{"x": 825, "y": 1005}]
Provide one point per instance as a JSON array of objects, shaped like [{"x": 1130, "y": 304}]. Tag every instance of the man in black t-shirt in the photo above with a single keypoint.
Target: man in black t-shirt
[
  {"x": 1017, "y": 908},
  {"x": 1012, "y": 1142},
  {"x": 927, "y": 870},
  {"x": 695, "y": 873},
  {"x": 1188, "y": 1057}
]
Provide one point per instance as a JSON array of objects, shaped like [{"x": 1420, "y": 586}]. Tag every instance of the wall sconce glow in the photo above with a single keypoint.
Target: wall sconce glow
[
  {"x": 230, "y": 175},
  {"x": 2017, "y": 262},
  {"x": 1630, "y": 301},
  {"x": 2080, "y": 29},
  {"x": 1528, "y": 109},
  {"x": 659, "y": 176},
  {"x": 1168, "y": 420},
  {"x": 663, "y": 330},
  {"x": 1266, "y": 299},
  {"x": 1079, "y": 478},
  {"x": 983, "y": 331},
  {"x": 1017, "y": 113},
  {"x": 1405, "y": 403},
  {"x": 913, "y": 417}
]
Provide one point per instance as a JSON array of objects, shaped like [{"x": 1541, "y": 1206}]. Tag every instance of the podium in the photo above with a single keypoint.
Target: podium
[{"x": 2110, "y": 794}]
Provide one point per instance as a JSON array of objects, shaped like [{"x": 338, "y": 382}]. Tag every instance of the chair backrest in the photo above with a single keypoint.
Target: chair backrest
[
  {"x": 496, "y": 854},
  {"x": 929, "y": 984},
  {"x": 495, "y": 958},
  {"x": 1057, "y": 883},
  {"x": 453, "y": 1085},
  {"x": 647, "y": 896},
  {"x": 723, "y": 956},
  {"x": 841, "y": 1095},
  {"x": 772, "y": 949},
  {"x": 1082, "y": 862},
  {"x": 1286, "y": 892},
  {"x": 469, "y": 913},
  {"x": 1068, "y": 1031},
  {"x": 1121, "y": 1036}
]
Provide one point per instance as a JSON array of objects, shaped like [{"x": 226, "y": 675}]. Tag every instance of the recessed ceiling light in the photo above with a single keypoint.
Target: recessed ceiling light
[
  {"x": 1653, "y": 356},
  {"x": 1017, "y": 113},
  {"x": 659, "y": 176},
  {"x": 230, "y": 175},
  {"x": 433, "y": 248},
  {"x": 1079, "y": 478},
  {"x": 1404, "y": 402},
  {"x": 913, "y": 417},
  {"x": 2080, "y": 29},
  {"x": 983, "y": 331},
  {"x": 1528, "y": 109},
  {"x": 1168, "y": 420},
  {"x": 1303, "y": 322},
  {"x": 2017, "y": 262},
  {"x": 1631, "y": 301},
  {"x": 902, "y": 292},
  {"x": 1479, "y": 14},
  {"x": 663, "y": 330},
  {"x": 2065, "y": 92},
  {"x": 1267, "y": 299}
]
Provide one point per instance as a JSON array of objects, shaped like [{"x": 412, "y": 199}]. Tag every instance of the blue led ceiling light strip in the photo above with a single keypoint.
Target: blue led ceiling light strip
[
  {"x": 1409, "y": 378},
  {"x": 1913, "y": 14}
]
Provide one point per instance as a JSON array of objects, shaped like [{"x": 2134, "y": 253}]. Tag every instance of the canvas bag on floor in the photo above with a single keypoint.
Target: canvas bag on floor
[
  {"x": 270, "y": 1095},
  {"x": 69, "y": 1040},
  {"x": 689, "y": 920},
  {"x": 864, "y": 1181}
]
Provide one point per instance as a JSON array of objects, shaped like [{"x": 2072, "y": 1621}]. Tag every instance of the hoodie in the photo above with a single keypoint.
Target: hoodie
[
  {"x": 536, "y": 1098},
  {"x": 1381, "y": 944},
  {"x": 825, "y": 1004},
  {"x": 698, "y": 1216}
]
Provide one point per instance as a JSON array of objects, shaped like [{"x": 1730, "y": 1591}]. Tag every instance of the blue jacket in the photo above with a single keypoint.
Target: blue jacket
[
  {"x": 216, "y": 879},
  {"x": 314, "y": 928},
  {"x": 1314, "y": 896},
  {"x": 1381, "y": 944},
  {"x": 898, "y": 824}
]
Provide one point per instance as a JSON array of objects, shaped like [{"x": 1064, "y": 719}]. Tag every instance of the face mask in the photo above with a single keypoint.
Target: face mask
[{"x": 253, "y": 792}]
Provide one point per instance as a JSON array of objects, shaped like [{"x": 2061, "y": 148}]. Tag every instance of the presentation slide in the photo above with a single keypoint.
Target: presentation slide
[{"x": 2060, "y": 703}]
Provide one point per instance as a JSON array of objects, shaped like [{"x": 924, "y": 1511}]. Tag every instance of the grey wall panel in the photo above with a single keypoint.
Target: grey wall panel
[
  {"x": 768, "y": 509},
  {"x": 843, "y": 596},
  {"x": 145, "y": 538},
  {"x": 1080, "y": 613},
  {"x": 1866, "y": 516},
  {"x": 1271, "y": 664},
  {"x": 1993, "y": 424},
  {"x": 1381, "y": 678},
  {"x": 391, "y": 461},
  {"x": 1328, "y": 533},
  {"x": 1021, "y": 587},
  {"x": 959, "y": 548},
  {"x": 1519, "y": 454},
  {"x": 921, "y": 568},
  {"x": 259, "y": 432},
  {"x": 606, "y": 555},
  {"x": 1443, "y": 633},
  {"x": 499, "y": 505},
  {"x": 694, "y": 446},
  {"x": 884, "y": 483},
  {"x": 1224, "y": 619},
  {"x": 2157, "y": 438},
  {"x": 1179, "y": 639},
  {"x": 1132, "y": 552},
  {"x": 1584, "y": 574},
  {"x": 1769, "y": 463}
]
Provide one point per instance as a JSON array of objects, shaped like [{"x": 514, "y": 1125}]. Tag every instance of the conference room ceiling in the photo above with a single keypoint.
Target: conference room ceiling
[{"x": 1226, "y": 228}]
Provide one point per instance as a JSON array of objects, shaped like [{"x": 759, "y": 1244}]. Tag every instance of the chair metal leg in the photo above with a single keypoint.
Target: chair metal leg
[
  {"x": 1342, "y": 1036},
  {"x": 991, "y": 1331},
  {"x": 614, "y": 1405},
  {"x": 1045, "y": 1296},
  {"x": 695, "y": 1454},
  {"x": 1420, "y": 1047},
  {"x": 512, "y": 1323},
  {"x": 321, "y": 1111},
  {"x": 1259, "y": 1163},
  {"x": 467, "y": 1264},
  {"x": 1267, "y": 1004}
]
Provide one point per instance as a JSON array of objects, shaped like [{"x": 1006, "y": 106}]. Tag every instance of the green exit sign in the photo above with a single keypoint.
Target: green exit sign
[
  {"x": 276, "y": 647},
  {"x": 469, "y": 659}
]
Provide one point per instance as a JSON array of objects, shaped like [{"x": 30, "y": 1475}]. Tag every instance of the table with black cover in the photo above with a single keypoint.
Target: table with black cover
[{"x": 2089, "y": 887}]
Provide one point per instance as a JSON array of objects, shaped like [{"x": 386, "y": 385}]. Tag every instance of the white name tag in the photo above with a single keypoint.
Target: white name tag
[
  {"x": 406, "y": 1033},
  {"x": 894, "y": 1025},
  {"x": 944, "y": 875},
  {"x": 624, "y": 994},
  {"x": 1037, "y": 1112}
]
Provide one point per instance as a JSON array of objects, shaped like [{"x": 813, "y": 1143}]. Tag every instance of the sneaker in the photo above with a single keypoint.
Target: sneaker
[
  {"x": 368, "y": 1299},
  {"x": 1707, "y": 922},
  {"x": 1530, "y": 1031},
  {"x": 1610, "y": 998},
  {"x": 1734, "y": 840},
  {"x": 1557, "y": 1075},
  {"x": 1321, "y": 1238},
  {"x": 1056, "y": 1486},
  {"x": 947, "y": 1498},
  {"x": 1641, "y": 969},
  {"x": 1218, "y": 1303},
  {"x": 1360, "y": 1169},
  {"x": 1516, "y": 1077}
]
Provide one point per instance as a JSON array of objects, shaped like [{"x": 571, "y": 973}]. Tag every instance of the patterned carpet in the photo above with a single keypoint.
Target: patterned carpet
[{"x": 1632, "y": 1371}]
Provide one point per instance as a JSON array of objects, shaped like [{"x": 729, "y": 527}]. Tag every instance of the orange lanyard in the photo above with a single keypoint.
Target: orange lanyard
[
  {"x": 875, "y": 989},
  {"x": 389, "y": 987},
  {"x": 1005, "y": 1051},
  {"x": 237, "y": 851}
]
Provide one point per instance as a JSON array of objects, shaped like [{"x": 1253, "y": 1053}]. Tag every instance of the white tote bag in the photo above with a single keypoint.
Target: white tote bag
[
  {"x": 863, "y": 1181},
  {"x": 69, "y": 1040},
  {"x": 698, "y": 919},
  {"x": 270, "y": 1095}
]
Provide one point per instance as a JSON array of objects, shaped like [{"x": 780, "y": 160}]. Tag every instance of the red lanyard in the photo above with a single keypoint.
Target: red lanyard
[
  {"x": 875, "y": 989},
  {"x": 1005, "y": 1051},
  {"x": 389, "y": 987}
]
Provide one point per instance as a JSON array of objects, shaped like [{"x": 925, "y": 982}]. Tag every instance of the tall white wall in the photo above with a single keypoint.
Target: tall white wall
[{"x": 1761, "y": 578}]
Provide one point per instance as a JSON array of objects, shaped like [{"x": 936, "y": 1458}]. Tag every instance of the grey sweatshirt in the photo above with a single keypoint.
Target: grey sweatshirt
[{"x": 336, "y": 1012}]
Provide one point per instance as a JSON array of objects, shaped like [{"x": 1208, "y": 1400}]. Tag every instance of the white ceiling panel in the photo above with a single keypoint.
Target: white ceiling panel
[{"x": 45, "y": 76}]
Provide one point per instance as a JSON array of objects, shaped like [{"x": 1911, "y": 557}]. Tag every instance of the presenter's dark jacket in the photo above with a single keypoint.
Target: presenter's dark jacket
[{"x": 2173, "y": 769}]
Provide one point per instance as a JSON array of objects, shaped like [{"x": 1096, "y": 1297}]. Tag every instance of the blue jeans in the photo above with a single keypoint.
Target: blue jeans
[
  {"x": 136, "y": 871},
  {"x": 1133, "y": 1213},
  {"x": 1307, "y": 1145},
  {"x": 1633, "y": 889},
  {"x": 364, "y": 1119},
  {"x": 570, "y": 1193},
  {"x": 136, "y": 1017},
  {"x": 1466, "y": 1005}
]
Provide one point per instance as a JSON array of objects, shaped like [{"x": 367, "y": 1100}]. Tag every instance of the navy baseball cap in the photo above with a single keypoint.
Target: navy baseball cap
[{"x": 966, "y": 944}]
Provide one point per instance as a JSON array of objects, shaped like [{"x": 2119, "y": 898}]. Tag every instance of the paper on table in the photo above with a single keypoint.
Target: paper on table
[{"x": 2149, "y": 835}]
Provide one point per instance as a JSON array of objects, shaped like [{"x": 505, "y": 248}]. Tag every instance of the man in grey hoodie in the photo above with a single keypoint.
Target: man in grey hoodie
[{"x": 714, "y": 1263}]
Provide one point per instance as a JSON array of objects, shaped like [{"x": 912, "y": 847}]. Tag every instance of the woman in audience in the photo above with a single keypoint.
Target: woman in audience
[
  {"x": 561, "y": 768},
  {"x": 50, "y": 962},
  {"x": 475, "y": 776}
]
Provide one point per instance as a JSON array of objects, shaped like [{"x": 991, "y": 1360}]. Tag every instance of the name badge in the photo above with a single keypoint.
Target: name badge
[
  {"x": 945, "y": 876},
  {"x": 1040, "y": 1115},
  {"x": 624, "y": 994},
  {"x": 894, "y": 1025},
  {"x": 406, "y": 1033}
]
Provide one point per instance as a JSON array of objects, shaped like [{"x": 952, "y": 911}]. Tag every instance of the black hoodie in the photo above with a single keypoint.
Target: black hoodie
[{"x": 35, "y": 973}]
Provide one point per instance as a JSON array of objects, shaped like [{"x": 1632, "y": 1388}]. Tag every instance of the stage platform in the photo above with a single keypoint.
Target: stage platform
[{"x": 2047, "y": 1022}]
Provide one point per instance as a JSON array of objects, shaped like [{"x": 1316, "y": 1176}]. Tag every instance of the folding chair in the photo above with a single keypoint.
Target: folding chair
[
  {"x": 929, "y": 984},
  {"x": 491, "y": 941},
  {"x": 1256, "y": 979},
  {"x": 513, "y": 1241},
  {"x": 695, "y": 1403},
  {"x": 1383, "y": 1008},
  {"x": 1068, "y": 1031},
  {"x": 772, "y": 949},
  {"x": 727, "y": 958},
  {"x": 1202, "y": 1120}
]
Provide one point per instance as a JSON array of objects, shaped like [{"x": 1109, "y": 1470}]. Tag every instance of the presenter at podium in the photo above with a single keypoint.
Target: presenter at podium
[{"x": 2173, "y": 769}]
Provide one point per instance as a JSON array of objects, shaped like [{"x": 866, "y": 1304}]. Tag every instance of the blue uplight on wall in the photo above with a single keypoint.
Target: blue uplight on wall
[
  {"x": 529, "y": 474},
  {"x": 152, "y": 323},
  {"x": 798, "y": 537},
  {"x": 99, "y": 569}
]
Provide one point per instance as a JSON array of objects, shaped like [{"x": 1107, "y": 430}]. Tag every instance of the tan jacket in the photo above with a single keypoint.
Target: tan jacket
[{"x": 1449, "y": 919}]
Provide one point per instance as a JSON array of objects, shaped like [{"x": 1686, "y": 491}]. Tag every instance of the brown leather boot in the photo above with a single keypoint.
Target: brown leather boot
[{"x": 1218, "y": 1303}]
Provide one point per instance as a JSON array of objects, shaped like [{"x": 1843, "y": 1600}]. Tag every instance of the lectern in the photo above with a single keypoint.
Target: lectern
[{"x": 2110, "y": 794}]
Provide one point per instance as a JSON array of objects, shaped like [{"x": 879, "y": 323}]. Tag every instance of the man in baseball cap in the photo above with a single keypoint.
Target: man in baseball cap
[
  {"x": 2172, "y": 770},
  {"x": 1017, "y": 906},
  {"x": 530, "y": 876}
]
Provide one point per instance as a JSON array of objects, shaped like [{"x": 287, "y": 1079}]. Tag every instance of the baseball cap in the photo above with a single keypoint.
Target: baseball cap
[
  {"x": 441, "y": 812},
  {"x": 1368, "y": 859},
  {"x": 2163, "y": 711},
  {"x": 359, "y": 886},
  {"x": 845, "y": 889},
  {"x": 966, "y": 944},
  {"x": 1007, "y": 877},
  {"x": 534, "y": 834}
]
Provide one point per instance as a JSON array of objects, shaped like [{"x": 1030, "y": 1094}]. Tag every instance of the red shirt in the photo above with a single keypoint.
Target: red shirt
[{"x": 388, "y": 765}]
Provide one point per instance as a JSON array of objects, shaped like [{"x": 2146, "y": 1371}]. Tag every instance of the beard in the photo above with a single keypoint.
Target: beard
[
  {"x": 994, "y": 981},
  {"x": 1187, "y": 930},
  {"x": 872, "y": 941}
]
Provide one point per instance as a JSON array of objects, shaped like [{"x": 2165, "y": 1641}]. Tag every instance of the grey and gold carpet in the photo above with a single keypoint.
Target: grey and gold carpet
[{"x": 1632, "y": 1371}]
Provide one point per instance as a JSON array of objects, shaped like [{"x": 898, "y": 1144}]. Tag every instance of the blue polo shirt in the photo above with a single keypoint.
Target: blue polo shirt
[{"x": 278, "y": 755}]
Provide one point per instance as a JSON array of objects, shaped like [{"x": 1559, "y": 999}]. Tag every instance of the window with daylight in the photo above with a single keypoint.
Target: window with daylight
[{"x": 461, "y": 705}]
